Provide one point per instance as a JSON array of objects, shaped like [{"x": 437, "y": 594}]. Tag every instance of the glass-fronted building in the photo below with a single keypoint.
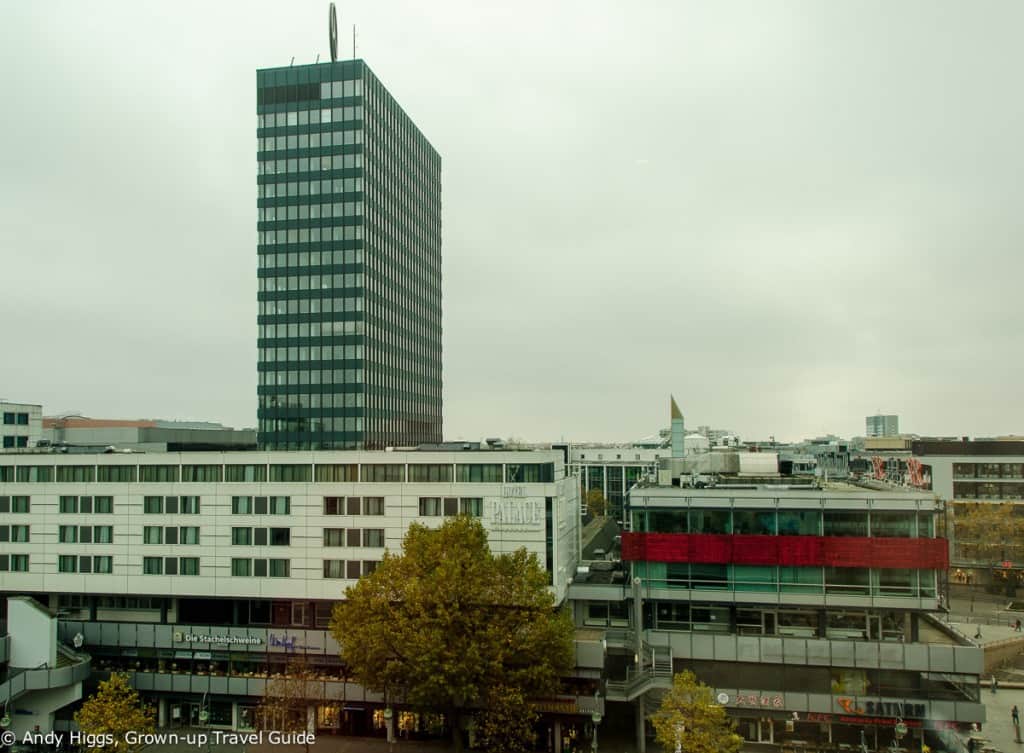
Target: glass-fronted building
[
  {"x": 811, "y": 612},
  {"x": 349, "y": 247}
]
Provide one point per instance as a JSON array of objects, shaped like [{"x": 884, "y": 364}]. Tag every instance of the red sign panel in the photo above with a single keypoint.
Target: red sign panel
[{"x": 792, "y": 551}]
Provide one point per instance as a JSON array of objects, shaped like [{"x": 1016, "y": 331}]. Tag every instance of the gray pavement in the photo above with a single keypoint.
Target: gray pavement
[
  {"x": 989, "y": 633},
  {"x": 999, "y": 727}
]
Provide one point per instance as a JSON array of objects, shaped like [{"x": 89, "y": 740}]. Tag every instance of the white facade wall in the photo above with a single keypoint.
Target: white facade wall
[
  {"x": 30, "y": 432},
  {"x": 513, "y": 514},
  {"x": 34, "y": 632}
]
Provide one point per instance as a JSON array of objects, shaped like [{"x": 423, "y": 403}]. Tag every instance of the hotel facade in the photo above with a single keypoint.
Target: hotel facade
[{"x": 201, "y": 574}]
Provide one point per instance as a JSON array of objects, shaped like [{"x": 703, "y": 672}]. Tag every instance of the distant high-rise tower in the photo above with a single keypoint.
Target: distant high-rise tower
[
  {"x": 882, "y": 426},
  {"x": 349, "y": 263},
  {"x": 678, "y": 429}
]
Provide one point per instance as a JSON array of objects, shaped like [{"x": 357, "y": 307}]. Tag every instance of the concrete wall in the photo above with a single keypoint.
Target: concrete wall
[
  {"x": 33, "y": 633},
  {"x": 999, "y": 653},
  {"x": 38, "y": 707}
]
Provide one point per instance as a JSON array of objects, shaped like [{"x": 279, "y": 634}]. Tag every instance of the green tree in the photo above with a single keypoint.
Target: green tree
[
  {"x": 446, "y": 624},
  {"x": 505, "y": 724},
  {"x": 597, "y": 505},
  {"x": 113, "y": 710},
  {"x": 690, "y": 720},
  {"x": 286, "y": 700}
]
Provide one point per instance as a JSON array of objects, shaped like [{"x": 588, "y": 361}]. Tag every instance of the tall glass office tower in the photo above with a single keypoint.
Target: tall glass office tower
[{"x": 349, "y": 264}]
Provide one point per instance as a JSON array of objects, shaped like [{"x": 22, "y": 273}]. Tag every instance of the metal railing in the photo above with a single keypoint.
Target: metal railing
[
  {"x": 22, "y": 680},
  {"x": 655, "y": 671}
]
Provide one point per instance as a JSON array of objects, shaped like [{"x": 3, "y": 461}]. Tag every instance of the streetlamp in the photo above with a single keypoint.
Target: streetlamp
[
  {"x": 680, "y": 729},
  {"x": 596, "y": 719}
]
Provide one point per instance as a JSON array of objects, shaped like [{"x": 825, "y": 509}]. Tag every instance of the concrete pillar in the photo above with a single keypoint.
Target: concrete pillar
[
  {"x": 311, "y": 718},
  {"x": 558, "y": 736},
  {"x": 641, "y": 732},
  {"x": 161, "y": 712}
]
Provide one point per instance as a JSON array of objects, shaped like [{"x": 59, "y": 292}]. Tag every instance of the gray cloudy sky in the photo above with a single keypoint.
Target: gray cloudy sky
[{"x": 789, "y": 214}]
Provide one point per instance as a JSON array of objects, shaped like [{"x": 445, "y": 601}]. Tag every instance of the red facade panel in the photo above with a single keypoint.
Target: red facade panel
[{"x": 792, "y": 551}]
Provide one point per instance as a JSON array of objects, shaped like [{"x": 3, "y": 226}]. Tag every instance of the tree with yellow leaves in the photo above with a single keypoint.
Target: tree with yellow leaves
[
  {"x": 114, "y": 710},
  {"x": 988, "y": 531},
  {"x": 597, "y": 505},
  {"x": 690, "y": 720}
]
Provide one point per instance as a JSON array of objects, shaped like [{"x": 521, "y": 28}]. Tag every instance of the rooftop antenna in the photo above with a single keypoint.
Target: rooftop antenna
[
  {"x": 332, "y": 32},
  {"x": 292, "y": 63},
  {"x": 353, "y": 41},
  {"x": 318, "y": 57}
]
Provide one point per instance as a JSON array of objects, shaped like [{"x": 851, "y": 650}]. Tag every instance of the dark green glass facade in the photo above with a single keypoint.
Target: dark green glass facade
[{"x": 349, "y": 264}]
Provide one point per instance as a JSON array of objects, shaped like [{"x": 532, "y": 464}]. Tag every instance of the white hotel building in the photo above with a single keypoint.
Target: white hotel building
[{"x": 200, "y": 572}]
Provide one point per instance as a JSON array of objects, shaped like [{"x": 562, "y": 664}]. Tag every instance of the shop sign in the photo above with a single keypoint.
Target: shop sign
[
  {"x": 232, "y": 640},
  {"x": 877, "y": 721},
  {"x": 753, "y": 700},
  {"x": 555, "y": 707},
  {"x": 516, "y": 513},
  {"x": 902, "y": 709},
  {"x": 287, "y": 642}
]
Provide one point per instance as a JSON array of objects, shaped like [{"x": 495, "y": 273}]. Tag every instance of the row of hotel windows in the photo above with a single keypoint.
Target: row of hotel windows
[
  {"x": 786, "y": 522},
  {"x": 284, "y": 189},
  {"x": 311, "y": 259},
  {"x": 848, "y": 581},
  {"x": 309, "y": 282},
  {"x": 310, "y": 235},
  {"x": 510, "y": 473},
  {"x": 310, "y": 164},
  {"x": 240, "y": 505},
  {"x": 988, "y": 470},
  {"x": 311, "y": 212},
  {"x": 988, "y": 490},
  {"x": 15, "y": 419},
  {"x": 15, "y": 441},
  {"x": 303, "y": 117},
  {"x": 293, "y": 377},
  {"x": 240, "y": 536},
  {"x": 15, "y": 504},
  {"x": 884, "y": 625},
  {"x": 240, "y": 567},
  {"x": 316, "y": 139}
]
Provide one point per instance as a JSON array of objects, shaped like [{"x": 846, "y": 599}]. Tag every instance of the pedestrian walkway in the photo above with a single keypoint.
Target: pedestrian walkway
[{"x": 989, "y": 633}]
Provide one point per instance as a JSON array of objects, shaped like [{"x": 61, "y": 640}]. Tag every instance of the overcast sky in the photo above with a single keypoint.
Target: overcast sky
[{"x": 788, "y": 214}]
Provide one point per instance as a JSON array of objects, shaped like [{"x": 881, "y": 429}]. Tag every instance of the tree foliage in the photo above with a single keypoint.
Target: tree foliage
[
  {"x": 988, "y": 531},
  {"x": 505, "y": 724},
  {"x": 446, "y": 624},
  {"x": 597, "y": 505},
  {"x": 286, "y": 699},
  {"x": 690, "y": 720},
  {"x": 113, "y": 710}
]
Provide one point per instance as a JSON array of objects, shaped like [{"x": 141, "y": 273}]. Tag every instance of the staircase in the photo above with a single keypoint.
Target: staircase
[{"x": 655, "y": 671}]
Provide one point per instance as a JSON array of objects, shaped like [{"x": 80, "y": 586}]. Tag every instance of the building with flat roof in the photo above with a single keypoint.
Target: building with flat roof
[
  {"x": 810, "y": 612},
  {"x": 882, "y": 426},
  {"x": 21, "y": 425},
  {"x": 202, "y": 572},
  {"x": 349, "y": 263},
  {"x": 82, "y": 434}
]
